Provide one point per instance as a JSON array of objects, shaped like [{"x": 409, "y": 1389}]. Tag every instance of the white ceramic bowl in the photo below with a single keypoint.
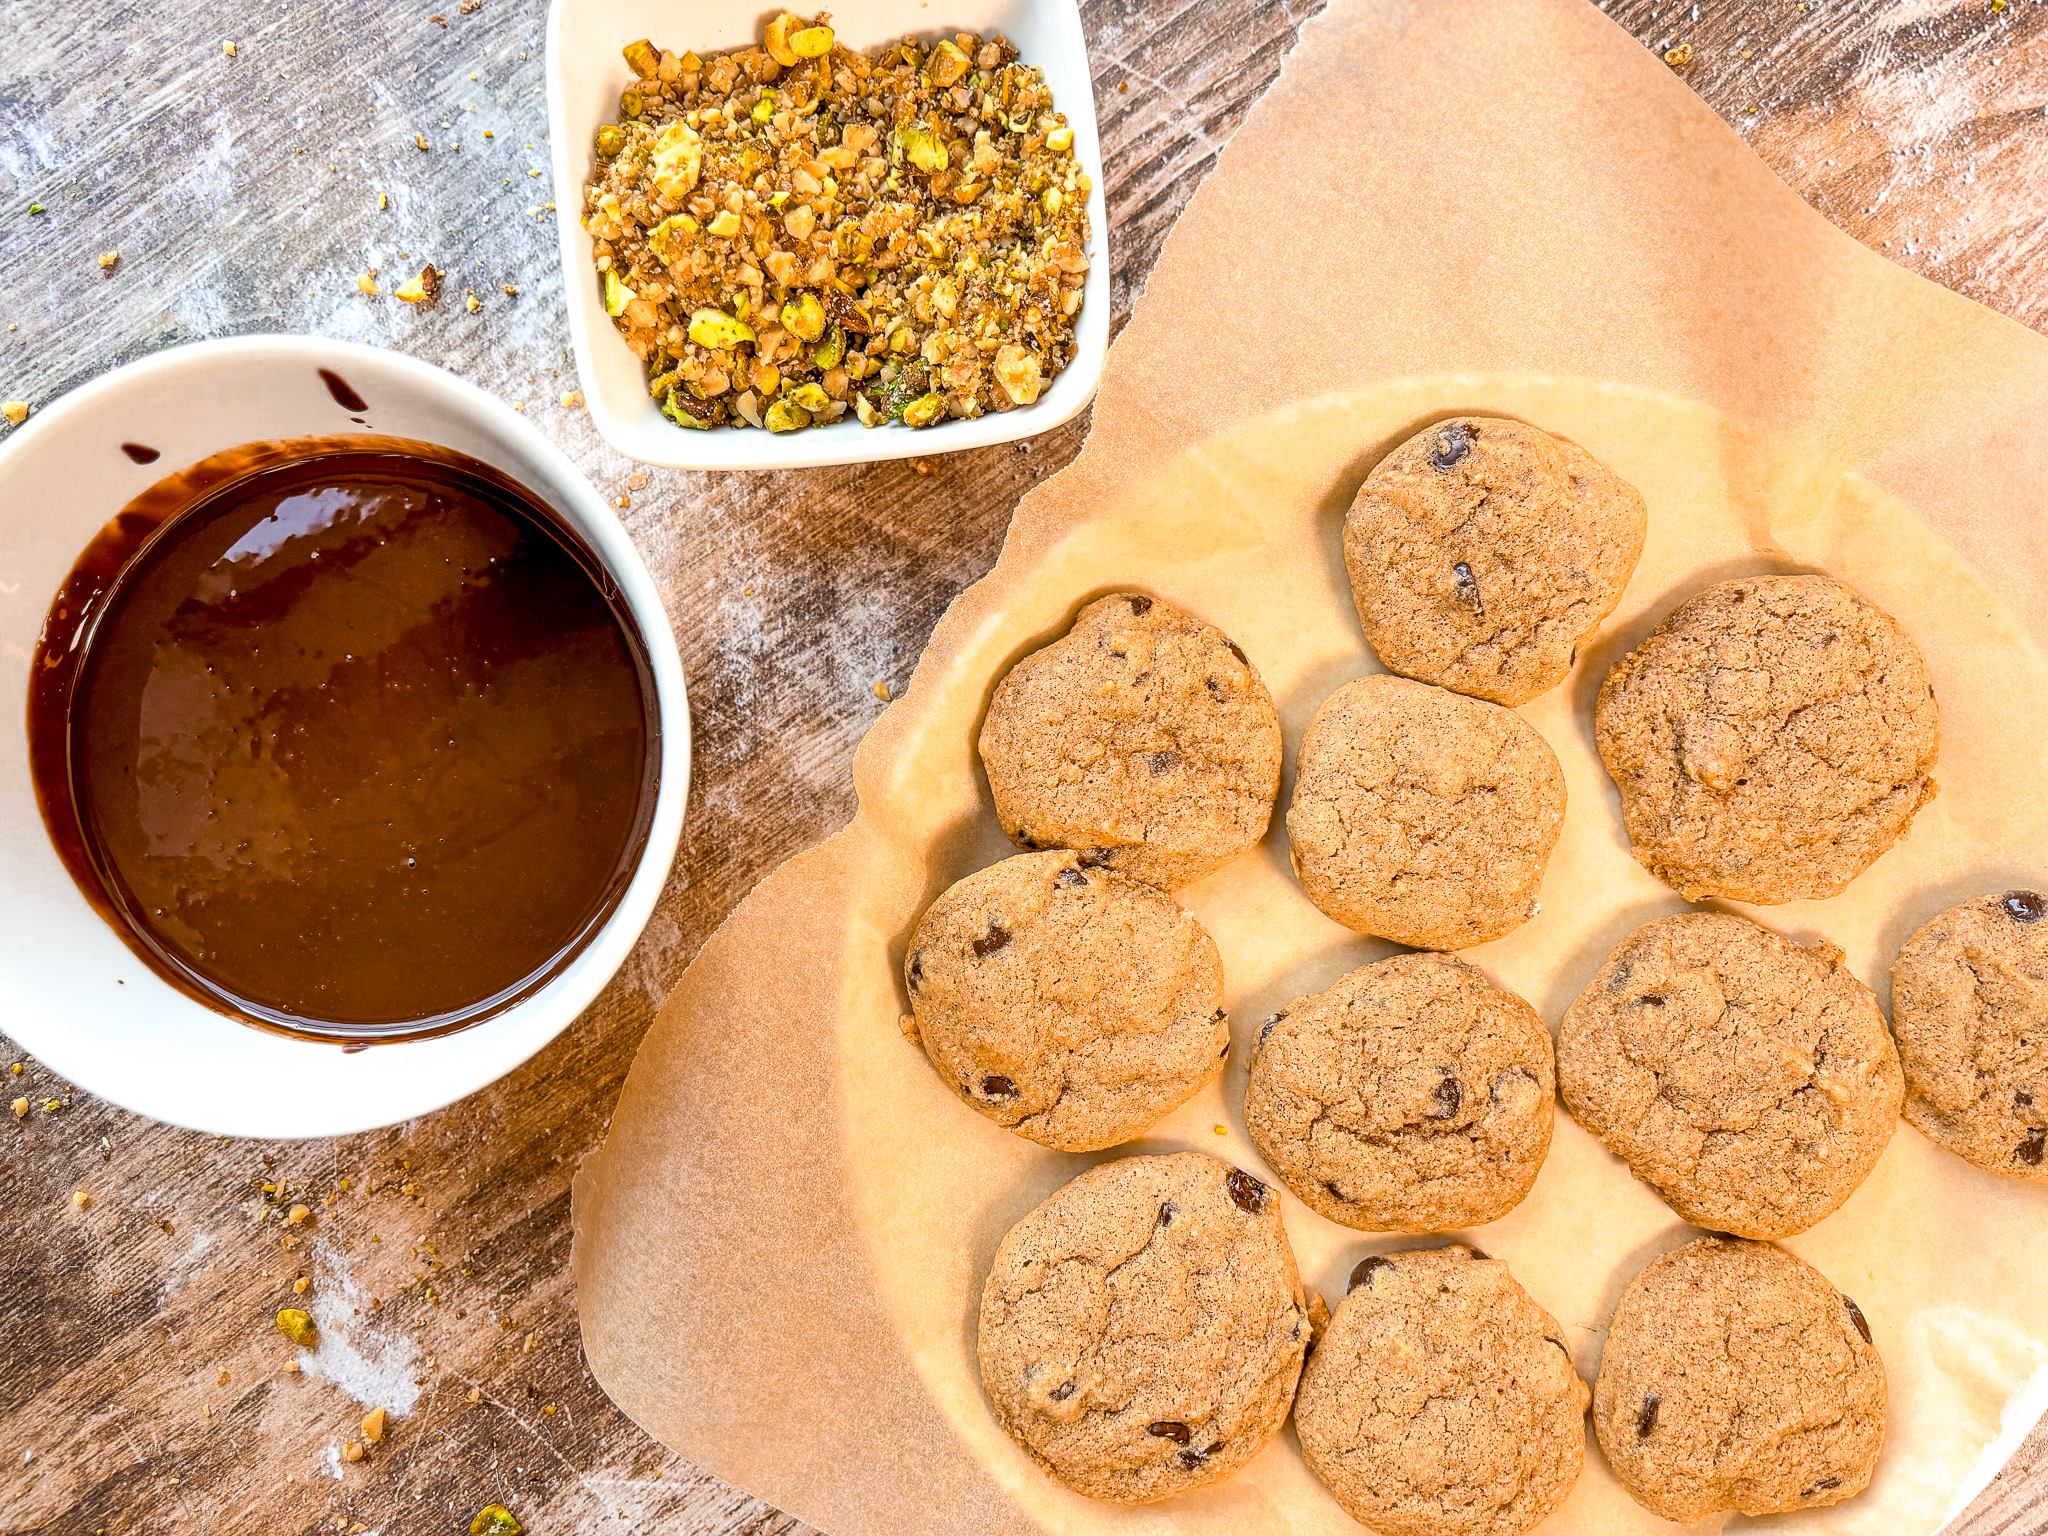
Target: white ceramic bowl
[
  {"x": 586, "y": 73},
  {"x": 77, "y": 997}
]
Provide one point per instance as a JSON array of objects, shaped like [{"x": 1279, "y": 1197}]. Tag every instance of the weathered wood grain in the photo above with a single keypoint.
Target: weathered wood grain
[{"x": 144, "y": 1386}]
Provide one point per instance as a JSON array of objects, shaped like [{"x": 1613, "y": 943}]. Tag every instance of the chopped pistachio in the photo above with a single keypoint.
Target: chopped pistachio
[
  {"x": 1060, "y": 140},
  {"x": 714, "y": 328},
  {"x": 109, "y": 260},
  {"x": 864, "y": 408},
  {"x": 924, "y": 148},
  {"x": 667, "y": 239},
  {"x": 830, "y": 350},
  {"x": 725, "y": 224},
  {"x": 641, "y": 58},
  {"x": 810, "y": 397},
  {"x": 786, "y": 416},
  {"x": 811, "y": 43},
  {"x": 676, "y": 409},
  {"x": 803, "y": 316},
  {"x": 632, "y": 103},
  {"x": 924, "y": 410},
  {"x": 947, "y": 64},
  {"x": 616, "y": 294},
  {"x": 298, "y": 1327},
  {"x": 764, "y": 109},
  {"x": 677, "y": 161},
  {"x": 610, "y": 139},
  {"x": 775, "y": 38},
  {"x": 495, "y": 1520}
]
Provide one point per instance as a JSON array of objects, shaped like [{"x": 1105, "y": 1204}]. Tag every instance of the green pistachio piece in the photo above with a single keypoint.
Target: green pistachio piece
[
  {"x": 803, "y": 316},
  {"x": 925, "y": 149},
  {"x": 924, "y": 410},
  {"x": 764, "y": 109},
  {"x": 631, "y": 104},
  {"x": 611, "y": 138},
  {"x": 677, "y": 160},
  {"x": 810, "y": 397},
  {"x": 495, "y": 1520},
  {"x": 616, "y": 294},
  {"x": 947, "y": 63},
  {"x": 669, "y": 238},
  {"x": 674, "y": 409},
  {"x": 787, "y": 416},
  {"x": 831, "y": 349},
  {"x": 715, "y": 329},
  {"x": 298, "y": 1327},
  {"x": 641, "y": 58}
]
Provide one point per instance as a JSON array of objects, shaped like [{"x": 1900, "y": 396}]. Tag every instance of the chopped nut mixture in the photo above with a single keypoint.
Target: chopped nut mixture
[{"x": 788, "y": 232}]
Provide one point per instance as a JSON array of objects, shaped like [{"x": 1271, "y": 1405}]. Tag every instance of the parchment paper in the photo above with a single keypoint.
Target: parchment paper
[{"x": 1507, "y": 208}]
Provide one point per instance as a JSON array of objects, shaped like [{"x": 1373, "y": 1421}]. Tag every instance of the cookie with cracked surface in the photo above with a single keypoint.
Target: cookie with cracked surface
[
  {"x": 1142, "y": 1331},
  {"x": 1412, "y": 1096},
  {"x": 1738, "y": 1378},
  {"x": 1421, "y": 815},
  {"x": 1770, "y": 740},
  {"x": 1748, "y": 1080},
  {"x": 1441, "y": 1400},
  {"x": 1483, "y": 553},
  {"x": 1970, "y": 1015},
  {"x": 1143, "y": 738},
  {"x": 1073, "y": 1005}
]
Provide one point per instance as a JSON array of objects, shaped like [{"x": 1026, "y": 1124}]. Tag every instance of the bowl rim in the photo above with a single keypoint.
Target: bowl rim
[
  {"x": 493, "y": 1047},
  {"x": 844, "y": 442}
]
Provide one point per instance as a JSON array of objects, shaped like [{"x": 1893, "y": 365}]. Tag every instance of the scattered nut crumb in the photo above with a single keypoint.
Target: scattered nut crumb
[
  {"x": 1123, "y": 87},
  {"x": 80, "y": 1198},
  {"x": 495, "y": 1520},
  {"x": 882, "y": 689},
  {"x": 299, "y": 1215},
  {"x": 421, "y": 289},
  {"x": 1222, "y": 1130},
  {"x": 301, "y": 1285},
  {"x": 419, "y": 141},
  {"x": 571, "y": 398},
  {"x": 20, "y": 1109},
  {"x": 1679, "y": 56},
  {"x": 508, "y": 290},
  {"x": 473, "y": 1395},
  {"x": 636, "y": 482},
  {"x": 353, "y": 1451},
  {"x": 550, "y": 1409},
  {"x": 470, "y": 301},
  {"x": 368, "y": 282},
  {"x": 622, "y": 501},
  {"x": 298, "y": 1327},
  {"x": 469, "y": 5},
  {"x": 439, "y": 21},
  {"x": 922, "y": 466},
  {"x": 383, "y": 202},
  {"x": 223, "y": 1380},
  {"x": 19, "y": 1067},
  {"x": 291, "y": 1367},
  {"x": 16, "y": 412},
  {"x": 375, "y": 1422},
  {"x": 228, "y": 48},
  {"x": 109, "y": 260}
]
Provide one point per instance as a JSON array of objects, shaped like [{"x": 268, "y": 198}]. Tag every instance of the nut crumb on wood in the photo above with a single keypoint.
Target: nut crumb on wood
[
  {"x": 16, "y": 412},
  {"x": 571, "y": 399},
  {"x": 20, "y": 1107},
  {"x": 375, "y": 1423},
  {"x": 421, "y": 289},
  {"x": 298, "y": 1327},
  {"x": 109, "y": 260},
  {"x": 419, "y": 142},
  {"x": 368, "y": 282},
  {"x": 495, "y": 1520},
  {"x": 81, "y": 1199},
  {"x": 353, "y": 1451},
  {"x": 882, "y": 689},
  {"x": 907, "y": 1023},
  {"x": 1679, "y": 56},
  {"x": 301, "y": 1285},
  {"x": 228, "y": 48}
]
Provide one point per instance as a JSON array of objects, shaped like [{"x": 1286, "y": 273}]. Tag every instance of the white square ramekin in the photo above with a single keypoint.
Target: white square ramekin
[{"x": 586, "y": 73}]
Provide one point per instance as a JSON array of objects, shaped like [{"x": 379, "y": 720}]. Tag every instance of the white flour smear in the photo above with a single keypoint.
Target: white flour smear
[{"x": 377, "y": 1370}]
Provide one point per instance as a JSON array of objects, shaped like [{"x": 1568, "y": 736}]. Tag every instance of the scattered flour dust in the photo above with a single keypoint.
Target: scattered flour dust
[{"x": 376, "y": 1369}]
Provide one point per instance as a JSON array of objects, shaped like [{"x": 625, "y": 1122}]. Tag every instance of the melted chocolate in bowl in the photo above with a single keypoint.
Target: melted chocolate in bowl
[{"x": 348, "y": 737}]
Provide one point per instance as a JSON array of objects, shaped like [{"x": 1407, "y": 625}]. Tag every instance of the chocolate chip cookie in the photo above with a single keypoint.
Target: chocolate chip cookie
[
  {"x": 1074, "y": 1005},
  {"x": 1421, "y": 815},
  {"x": 1737, "y": 1378},
  {"x": 1483, "y": 553},
  {"x": 1770, "y": 739},
  {"x": 1970, "y": 1013},
  {"x": 1413, "y": 1096},
  {"x": 1751, "y": 1082},
  {"x": 1142, "y": 1331},
  {"x": 1441, "y": 1401},
  {"x": 1142, "y": 738}
]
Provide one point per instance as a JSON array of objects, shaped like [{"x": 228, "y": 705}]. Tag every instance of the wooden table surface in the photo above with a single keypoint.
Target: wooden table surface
[{"x": 142, "y": 1384}]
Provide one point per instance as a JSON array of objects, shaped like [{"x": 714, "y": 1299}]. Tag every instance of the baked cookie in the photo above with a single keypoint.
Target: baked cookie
[
  {"x": 1142, "y": 738},
  {"x": 1441, "y": 1401},
  {"x": 1073, "y": 1005},
  {"x": 1413, "y": 1096},
  {"x": 1421, "y": 815},
  {"x": 1751, "y": 1082},
  {"x": 1142, "y": 1331},
  {"x": 1736, "y": 1377},
  {"x": 1483, "y": 553},
  {"x": 1970, "y": 1014},
  {"x": 1770, "y": 739}
]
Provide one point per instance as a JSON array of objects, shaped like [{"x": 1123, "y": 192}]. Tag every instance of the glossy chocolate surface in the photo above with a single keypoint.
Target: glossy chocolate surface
[{"x": 351, "y": 737}]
